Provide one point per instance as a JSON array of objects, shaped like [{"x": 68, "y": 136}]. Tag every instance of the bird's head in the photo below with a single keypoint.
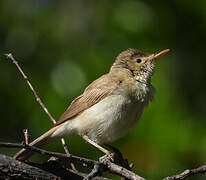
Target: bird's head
[{"x": 141, "y": 65}]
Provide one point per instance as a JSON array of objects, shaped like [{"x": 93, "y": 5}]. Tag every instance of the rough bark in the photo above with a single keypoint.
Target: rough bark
[{"x": 13, "y": 169}]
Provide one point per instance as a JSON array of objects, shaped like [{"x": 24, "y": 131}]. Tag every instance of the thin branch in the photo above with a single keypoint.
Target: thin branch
[
  {"x": 26, "y": 136},
  {"x": 188, "y": 172},
  {"x": 113, "y": 168},
  {"x": 10, "y": 56},
  {"x": 107, "y": 166},
  {"x": 75, "y": 159},
  {"x": 97, "y": 170},
  {"x": 67, "y": 152}
]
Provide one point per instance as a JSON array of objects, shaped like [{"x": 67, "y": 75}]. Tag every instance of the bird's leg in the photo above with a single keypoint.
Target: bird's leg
[
  {"x": 108, "y": 156},
  {"x": 96, "y": 145}
]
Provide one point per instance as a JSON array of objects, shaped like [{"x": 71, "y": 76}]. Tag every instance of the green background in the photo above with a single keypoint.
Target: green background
[{"x": 64, "y": 45}]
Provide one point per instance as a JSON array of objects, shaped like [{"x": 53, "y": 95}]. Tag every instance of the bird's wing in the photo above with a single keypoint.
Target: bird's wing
[{"x": 94, "y": 93}]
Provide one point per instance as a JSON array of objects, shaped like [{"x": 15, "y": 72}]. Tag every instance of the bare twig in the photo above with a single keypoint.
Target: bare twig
[
  {"x": 97, "y": 170},
  {"x": 186, "y": 173},
  {"x": 121, "y": 171},
  {"x": 26, "y": 136},
  {"x": 108, "y": 166},
  {"x": 67, "y": 152},
  {"x": 10, "y": 56},
  {"x": 82, "y": 161}
]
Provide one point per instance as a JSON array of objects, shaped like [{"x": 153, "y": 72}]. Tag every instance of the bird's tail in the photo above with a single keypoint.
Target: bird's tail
[{"x": 43, "y": 140}]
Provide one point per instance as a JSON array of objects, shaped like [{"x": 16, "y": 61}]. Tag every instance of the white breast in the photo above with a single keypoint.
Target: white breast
[{"x": 109, "y": 119}]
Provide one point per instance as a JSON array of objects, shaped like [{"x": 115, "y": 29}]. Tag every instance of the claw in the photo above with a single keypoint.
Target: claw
[{"x": 107, "y": 157}]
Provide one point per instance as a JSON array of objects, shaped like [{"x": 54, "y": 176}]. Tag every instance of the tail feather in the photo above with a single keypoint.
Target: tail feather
[{"x": 43, "y": 140}]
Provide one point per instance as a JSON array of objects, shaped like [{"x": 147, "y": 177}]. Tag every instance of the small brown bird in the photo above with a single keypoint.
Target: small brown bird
[{"x": 110, "y": 106}]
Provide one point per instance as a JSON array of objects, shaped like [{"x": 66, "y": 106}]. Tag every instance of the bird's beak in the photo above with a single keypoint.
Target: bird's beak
[{"x": 157, "y": 55}]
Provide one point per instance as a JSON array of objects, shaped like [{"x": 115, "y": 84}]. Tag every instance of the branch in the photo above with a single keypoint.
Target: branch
[
  {"x": 107, "y": 166},
  {"x": 10, "y": 56},
  {"x": 9, "y": 167},
  {"x": 187, "y": 173},
  {"x": 97, "y": 170},
  {"x": 113, "y": 168},
  {"x": 14, "y": 169}
]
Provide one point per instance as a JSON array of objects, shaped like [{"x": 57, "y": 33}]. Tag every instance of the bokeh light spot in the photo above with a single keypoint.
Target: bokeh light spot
[
  {"x": 68, "y": 78},
  {"x": 133, "y": 16}
]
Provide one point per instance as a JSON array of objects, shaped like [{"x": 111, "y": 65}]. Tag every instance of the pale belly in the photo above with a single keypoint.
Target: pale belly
[{"x": 109, "y": 119}]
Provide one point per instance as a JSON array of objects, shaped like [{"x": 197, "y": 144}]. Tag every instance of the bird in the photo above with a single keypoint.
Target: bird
[{"x": 110, "y": 106}]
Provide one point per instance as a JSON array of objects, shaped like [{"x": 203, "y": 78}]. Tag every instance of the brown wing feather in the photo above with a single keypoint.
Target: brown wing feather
[{"x": 95, "y": 92}]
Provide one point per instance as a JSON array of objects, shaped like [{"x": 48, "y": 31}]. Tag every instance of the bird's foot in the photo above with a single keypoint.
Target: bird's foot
[
  {"x": 118, "y": 157},
  {"x": 117, "y": 154},
  {"x": 107, "y": 157}
]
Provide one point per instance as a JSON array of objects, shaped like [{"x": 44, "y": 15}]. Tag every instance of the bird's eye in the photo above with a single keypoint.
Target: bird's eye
[{"x": 138, "y": 60}]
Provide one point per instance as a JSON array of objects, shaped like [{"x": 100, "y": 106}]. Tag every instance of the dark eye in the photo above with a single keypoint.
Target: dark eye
[{"x": 138, "y": 60}]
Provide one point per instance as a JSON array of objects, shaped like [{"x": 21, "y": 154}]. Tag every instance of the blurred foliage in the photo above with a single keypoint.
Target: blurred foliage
[{"x": 65, "y": 45}]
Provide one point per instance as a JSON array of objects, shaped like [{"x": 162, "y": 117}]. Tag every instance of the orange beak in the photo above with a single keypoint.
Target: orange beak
[{"x": 160, "y": 54}]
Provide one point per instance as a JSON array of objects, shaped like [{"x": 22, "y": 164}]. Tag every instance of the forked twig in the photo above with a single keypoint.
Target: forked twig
[{"x": 10, "y": 56}]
